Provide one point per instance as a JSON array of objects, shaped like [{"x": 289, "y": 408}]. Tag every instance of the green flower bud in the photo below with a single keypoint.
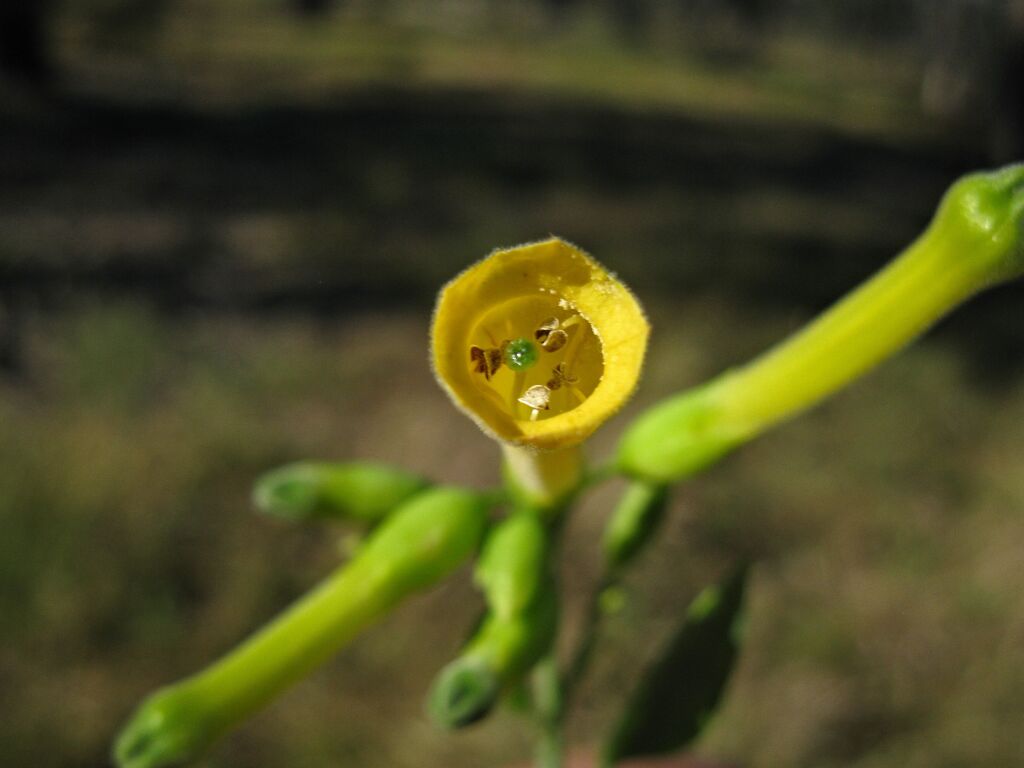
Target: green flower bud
[
  {"x": 634, "y": 521},
  {"x": 171, "y": 727},
  {"x": 981, "y": 220},
  {"x": 975, "y": 240},
  {"x": 359, "y": 491},
  {"x": 464, "y": 693},
  {"x": 497, "y": 657},
  {"x": 423, "y": 541},
  {"x": 514, "y": 574},
  {"x": 513, "y": 564},
  {"x": 679, "y": 436},
  {"x": 512, "y": 647}
]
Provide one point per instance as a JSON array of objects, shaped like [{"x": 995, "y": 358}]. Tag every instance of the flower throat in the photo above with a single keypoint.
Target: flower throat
[{"x": 535, "y": 357}]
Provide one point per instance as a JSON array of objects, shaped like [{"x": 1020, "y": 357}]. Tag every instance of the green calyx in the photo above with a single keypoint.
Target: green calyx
[{"x": 364, "y": 492}]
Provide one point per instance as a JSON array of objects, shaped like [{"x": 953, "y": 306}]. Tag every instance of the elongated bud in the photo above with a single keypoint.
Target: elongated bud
[
  {"x": 513, "y": 565},
  {"x": 634, "y": 521},
  {"x": 500, "y": 653},
  {"x": 681, "y": 435},
  {"x": 359, "y": 491},
  {"x": 514, "y": 574},
  {"x": 422, "y": 542},
  {"x": 430, "y": 536},
  {"x": 975, "y": 240}
]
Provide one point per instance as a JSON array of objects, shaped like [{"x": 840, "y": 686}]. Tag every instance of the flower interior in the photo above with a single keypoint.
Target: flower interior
[{"x": 535, "y": 357}]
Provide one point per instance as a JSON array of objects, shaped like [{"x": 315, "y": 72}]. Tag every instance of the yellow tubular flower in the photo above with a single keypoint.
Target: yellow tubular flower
[{"x": 539, "y": 344}]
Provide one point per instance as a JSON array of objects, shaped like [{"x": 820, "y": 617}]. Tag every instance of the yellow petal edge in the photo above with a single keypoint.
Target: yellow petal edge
[{"x": 550, "y": 268}]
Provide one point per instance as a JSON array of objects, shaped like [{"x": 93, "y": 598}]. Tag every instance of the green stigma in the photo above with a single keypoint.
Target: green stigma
[{"x": 520, "y": 354}]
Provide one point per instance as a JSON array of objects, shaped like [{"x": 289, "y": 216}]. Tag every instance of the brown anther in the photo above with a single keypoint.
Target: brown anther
[
  {"x": 550, "y": 335},
  {"x": 560, "y": 376},
  {"x": 485, "y": 361},
  {"x": 537, "y": 397}
]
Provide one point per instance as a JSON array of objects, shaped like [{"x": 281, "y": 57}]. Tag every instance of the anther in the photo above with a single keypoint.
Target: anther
[
  {"x": 550, "y": 335},
  {"x": 485, "y": 361},
  {"x": 537, "y": 397},
  {"x": 560, "y": 376}
]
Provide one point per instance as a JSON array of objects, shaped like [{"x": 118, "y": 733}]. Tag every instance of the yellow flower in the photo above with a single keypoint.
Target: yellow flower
[{"x": 539, "y": 344}]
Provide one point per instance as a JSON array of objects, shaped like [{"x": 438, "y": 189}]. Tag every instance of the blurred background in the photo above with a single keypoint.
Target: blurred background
[{"x": 222, "y": 225}]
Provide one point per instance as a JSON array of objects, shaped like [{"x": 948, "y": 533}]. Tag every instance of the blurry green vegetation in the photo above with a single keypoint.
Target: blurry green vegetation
[{"x": 218, "y": 249}]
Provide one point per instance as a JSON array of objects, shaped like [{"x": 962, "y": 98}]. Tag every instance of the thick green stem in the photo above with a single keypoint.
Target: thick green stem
[
  {"x": 974, "y": 241},
  {"x": 549, "y": 711},
  {"x": 425, "y": 540}
]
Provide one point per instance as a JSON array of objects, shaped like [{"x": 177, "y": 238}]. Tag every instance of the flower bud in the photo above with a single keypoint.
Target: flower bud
[
  {"x": 500, "y": 653},
  {"x": 171, "y": 727},
  {"x": 513, "y": 565},
  {"x": 680, "y": 436},
  {"x": 514, "y": 574},
  {"x": 981, "y": 221},
  {"x": 465, "y": 691},
  {"x": 426, "y": 538},
  {"x": 359, "y": 491},
  {"x": 975, "y": 240}
]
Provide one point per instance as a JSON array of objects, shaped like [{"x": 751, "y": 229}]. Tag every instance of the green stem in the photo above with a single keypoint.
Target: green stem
[
  {"x": 974, "y": 241},
  {"x": 421, "y": 543},
  {"x": 548, "y": 709}
]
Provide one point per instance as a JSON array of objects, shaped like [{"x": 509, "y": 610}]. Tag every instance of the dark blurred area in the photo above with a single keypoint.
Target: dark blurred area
[{"x": 222, "y": 225}]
